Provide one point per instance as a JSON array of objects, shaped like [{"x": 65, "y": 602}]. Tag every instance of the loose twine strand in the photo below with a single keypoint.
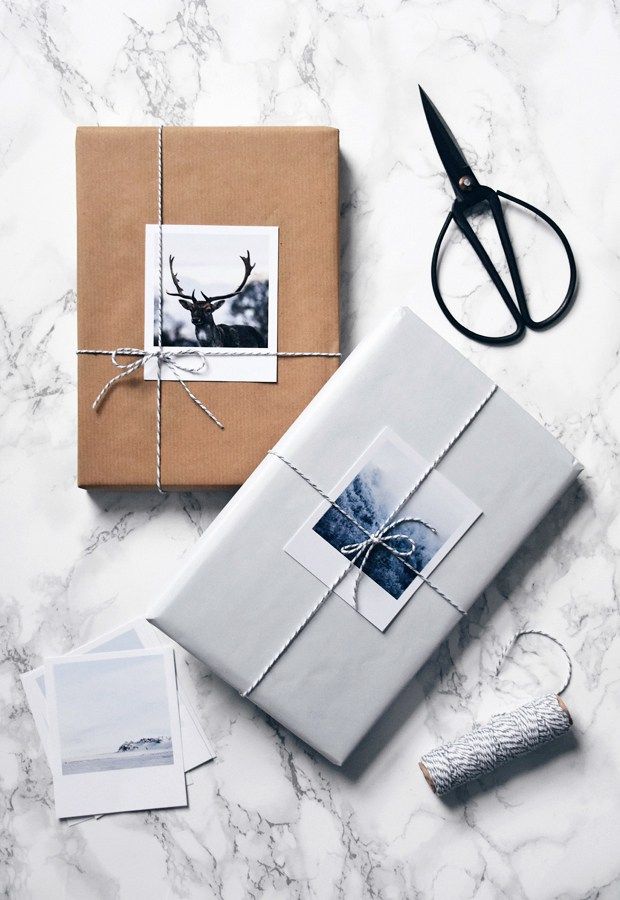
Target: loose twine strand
[
  {"x": 171, "y": 357},
  {"x": 506, "y": 736},
  {"x": 373, "y": 540},
  {"x": 506, "y": 650}
]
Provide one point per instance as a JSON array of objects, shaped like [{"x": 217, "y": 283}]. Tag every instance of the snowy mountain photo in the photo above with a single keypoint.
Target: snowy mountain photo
[
  {"x": 105, "y": 698},
  {"x": 142, "y": 744},
  {"x": 370, "y": 499}
]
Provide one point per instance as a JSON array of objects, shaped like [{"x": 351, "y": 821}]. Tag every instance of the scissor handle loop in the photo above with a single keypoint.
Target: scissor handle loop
[
  {"x": 565, "y": 305},
  {"x": 472, "y": 335},
  {"x": 519, "y": 311}
]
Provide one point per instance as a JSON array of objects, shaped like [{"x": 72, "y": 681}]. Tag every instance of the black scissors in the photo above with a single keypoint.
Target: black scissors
[{"x": 469, "y": 194}]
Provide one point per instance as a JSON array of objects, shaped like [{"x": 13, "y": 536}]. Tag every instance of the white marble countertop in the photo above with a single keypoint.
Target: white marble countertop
[{"x": 531, "y": 89}]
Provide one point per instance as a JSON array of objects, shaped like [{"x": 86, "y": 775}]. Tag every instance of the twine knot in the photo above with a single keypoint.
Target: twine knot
[
  {"x": 167, "y": 356},
  {"x": 170, "y": 357},
  {"x": 382, "y": 537}
]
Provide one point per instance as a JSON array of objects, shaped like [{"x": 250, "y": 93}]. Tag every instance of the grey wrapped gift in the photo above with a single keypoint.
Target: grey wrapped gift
[{"x": 240, "y": 597}]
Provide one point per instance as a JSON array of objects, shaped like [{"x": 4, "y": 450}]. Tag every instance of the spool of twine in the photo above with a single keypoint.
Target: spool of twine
[{"x": 506, "y": 736}]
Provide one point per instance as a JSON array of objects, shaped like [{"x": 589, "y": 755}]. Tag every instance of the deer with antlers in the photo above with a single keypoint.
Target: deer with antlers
[{"x": 208, "y": 334}]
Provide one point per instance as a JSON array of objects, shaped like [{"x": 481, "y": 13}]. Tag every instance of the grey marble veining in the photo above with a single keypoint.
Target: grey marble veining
[{"x": 531, "y": 89}]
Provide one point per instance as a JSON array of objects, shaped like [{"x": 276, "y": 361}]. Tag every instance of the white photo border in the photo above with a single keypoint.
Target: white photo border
[
  {"x": 119, "y": 790},
  {"x": 326, "y": 563}
]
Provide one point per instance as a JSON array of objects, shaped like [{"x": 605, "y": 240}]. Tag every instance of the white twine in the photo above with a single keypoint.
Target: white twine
[
  {"x": 382, "y": 538},
  {"x": 378, "y": 538},
  {"x": 171, "y": 356},
  {"x": 519, "y": 634},
  {"x": 160, "y": 306},
  {"x": 505, "y": 737}
]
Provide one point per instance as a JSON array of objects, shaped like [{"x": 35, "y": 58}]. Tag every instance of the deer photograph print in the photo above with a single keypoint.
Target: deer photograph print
[
  {"x": 366, "y": 498},
  {"x": 218, "y": 287}
]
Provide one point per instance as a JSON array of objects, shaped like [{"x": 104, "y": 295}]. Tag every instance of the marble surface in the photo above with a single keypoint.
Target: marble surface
[{"x": 531, "y": 88}]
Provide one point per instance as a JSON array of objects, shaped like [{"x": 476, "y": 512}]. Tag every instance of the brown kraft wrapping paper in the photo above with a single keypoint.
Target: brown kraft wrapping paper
[{"x": 212, "y": 176}]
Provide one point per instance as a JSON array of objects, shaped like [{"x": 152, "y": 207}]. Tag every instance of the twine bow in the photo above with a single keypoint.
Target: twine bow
[
  {"x": 167, "y": 357},
  {"x": 362, "y": 550}
]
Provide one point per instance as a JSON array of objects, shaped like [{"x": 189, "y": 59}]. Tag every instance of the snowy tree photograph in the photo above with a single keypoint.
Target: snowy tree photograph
[{"x": 371, "y": 499}]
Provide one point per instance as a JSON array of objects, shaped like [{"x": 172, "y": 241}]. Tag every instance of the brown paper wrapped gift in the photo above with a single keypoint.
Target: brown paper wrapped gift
[{"x": 212, "y": 176}]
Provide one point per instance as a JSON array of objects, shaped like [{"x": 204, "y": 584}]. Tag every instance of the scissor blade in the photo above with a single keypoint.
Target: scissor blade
[{"x": 450, "y": 153}]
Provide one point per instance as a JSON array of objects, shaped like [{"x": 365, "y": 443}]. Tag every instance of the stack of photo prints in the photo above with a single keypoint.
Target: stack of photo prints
[{"x": 118, "y": 732}]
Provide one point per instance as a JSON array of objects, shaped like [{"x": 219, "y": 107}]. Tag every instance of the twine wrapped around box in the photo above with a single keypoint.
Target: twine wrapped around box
[
  {"x": 381, "y": 537},
  {"x": 172, "y": 357}
]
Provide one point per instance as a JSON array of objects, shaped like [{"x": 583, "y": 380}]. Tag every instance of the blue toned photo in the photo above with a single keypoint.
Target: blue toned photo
[
  {"x": 113, "y": 714},
  {"x": 370, "y": 493},
  {"x": 370, "y": 499}
]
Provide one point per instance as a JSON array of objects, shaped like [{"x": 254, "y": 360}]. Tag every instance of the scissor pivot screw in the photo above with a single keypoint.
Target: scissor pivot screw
[{"x": 465, "y": 183}]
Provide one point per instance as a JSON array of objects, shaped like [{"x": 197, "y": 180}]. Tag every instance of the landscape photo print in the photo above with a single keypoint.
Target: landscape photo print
[
  {"x": 219, "y": 287},
  {"x": 437, "y": 516},
  {"x": 135, "y": 635},
  {"x": 115, "y": 740}
]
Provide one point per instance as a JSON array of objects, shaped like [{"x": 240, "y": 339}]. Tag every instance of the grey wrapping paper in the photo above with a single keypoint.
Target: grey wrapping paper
[{"x": 239, "y": 595}]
